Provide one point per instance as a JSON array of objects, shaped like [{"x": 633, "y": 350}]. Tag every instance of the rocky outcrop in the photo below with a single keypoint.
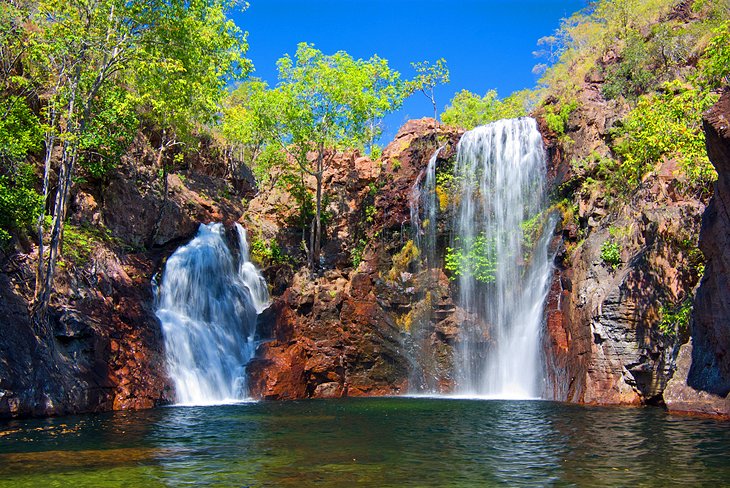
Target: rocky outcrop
[
  {"x": 104, "y": 348},
  {"x": 348, "y": 331},
  {"x": 603, "y": 341},
  {"x": 702, "y": 381}
]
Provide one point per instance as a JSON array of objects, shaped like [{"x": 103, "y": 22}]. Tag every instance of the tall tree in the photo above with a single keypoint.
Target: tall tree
[
  {"x": 84, "y": 47},
  {"x": 182, "y": 71},
  {"x": 324, "y": 102},
  {"x": 428, "y": 77}
]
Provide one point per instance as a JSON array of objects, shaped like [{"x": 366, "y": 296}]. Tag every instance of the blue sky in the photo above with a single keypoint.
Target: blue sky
[{"x": 487, "y": 44}]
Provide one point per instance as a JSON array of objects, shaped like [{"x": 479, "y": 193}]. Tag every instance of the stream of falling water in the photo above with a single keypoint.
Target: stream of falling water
[
  {"x": 503, "y": 256},
  {"x": 208, "y": 306},
  {"x": 423, "y": 210}
]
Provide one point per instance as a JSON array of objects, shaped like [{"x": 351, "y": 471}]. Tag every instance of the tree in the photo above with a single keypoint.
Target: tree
[
  {"x": 428, "y": 77},
  {"x": 325, "y": 102},
  {"x": 83, "y": 45},
  {"x": 182, "y": 70},
  {"x": 247, "y": 140},
  {"x": 86, "y": 51}
]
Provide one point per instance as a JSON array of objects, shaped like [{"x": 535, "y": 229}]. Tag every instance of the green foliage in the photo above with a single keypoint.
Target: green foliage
[
  {"x": 629, "y": 77},
  {"x": 186, "y": 61},
  {"x": 674, "y": 319},
  {"x": 395, "y": 164},
  {"x": 586, "y": 36},
  {"x": 20, "y": 130},
  {"x": 468, "y": 110},
  {"x": 714, "y": 67},
  {"x": 531, "y": 230},
  {"x": 81, "y": 241},
  {"x": 666, "y": 125},
  {"x": 323, "y": 102},
  {"x": 266, "y": 253},
  {"x": 370, "y": 212},
  {"x": 357, "y": 252},
  {"x": 476, "y": 258},
  {"x": 244, "y": 130},
  {"x": 611, "y": 253},
  {"x": 328, "y": 100},
  {"x": 110, "y": 132},
  {"x": 428, "y": 77},
  {"x": 375, "y": 152},
  {"x": 556, "y": 118},
  {"x": 446, "y": 185},
  {"x": 20, "y": 204}
]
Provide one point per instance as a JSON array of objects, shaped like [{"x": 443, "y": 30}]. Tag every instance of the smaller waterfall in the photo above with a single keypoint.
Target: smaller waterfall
[
  {"x": 423, "y": 210},
  {"x": 423, "y": 200},
  {"x": 208, "y": 306}
]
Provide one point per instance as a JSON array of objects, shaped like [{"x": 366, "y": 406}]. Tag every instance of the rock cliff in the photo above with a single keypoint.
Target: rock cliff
[
  {"x": 104, "y": 350},
  {"x": 702, "y": 381},
  {"x": 623, "y": 261},
  {"x": 347, "y": 330}
]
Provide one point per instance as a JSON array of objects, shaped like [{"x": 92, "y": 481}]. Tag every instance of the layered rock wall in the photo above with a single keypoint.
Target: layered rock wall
[{"x": 702, "y": 380}]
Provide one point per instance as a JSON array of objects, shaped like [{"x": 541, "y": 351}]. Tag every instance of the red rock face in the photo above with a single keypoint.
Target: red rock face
[
  {"x": 702, "y": 381},
  {"x": 341, "y": 333},
  {"x": 103, "y": 349}
]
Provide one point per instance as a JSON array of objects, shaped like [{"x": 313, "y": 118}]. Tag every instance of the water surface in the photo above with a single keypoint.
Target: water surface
[{"x": 383, "y": 442}]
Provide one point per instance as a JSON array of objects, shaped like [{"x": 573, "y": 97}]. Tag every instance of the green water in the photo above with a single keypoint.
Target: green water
[{"x": 385, "y": 442}]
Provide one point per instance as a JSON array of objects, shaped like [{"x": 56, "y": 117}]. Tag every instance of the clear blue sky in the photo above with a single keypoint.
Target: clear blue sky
[{"x": 487, "y": 44}]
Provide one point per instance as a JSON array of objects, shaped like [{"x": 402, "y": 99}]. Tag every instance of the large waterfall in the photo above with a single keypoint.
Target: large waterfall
[
  {"x": 208, "y": 303},
  {"x": 502, "y": 257}
]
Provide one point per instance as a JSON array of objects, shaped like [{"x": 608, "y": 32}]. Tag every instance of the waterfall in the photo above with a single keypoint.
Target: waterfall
[
  {"x": 423, "y": 196},
  {"x": 502, "y": 259},
  {"x": 208, "y": 306},
  {"x": 423, "y": 200}
]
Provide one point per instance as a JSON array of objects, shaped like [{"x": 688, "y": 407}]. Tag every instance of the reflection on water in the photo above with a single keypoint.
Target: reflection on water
[{"x": 386, "y": 442}]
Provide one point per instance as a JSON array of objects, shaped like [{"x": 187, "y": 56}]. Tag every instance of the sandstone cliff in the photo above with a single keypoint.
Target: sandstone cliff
[
  {"x": 105, "y": 350},
  {"x": 604, "y": 343},
  {"x": 702, "y": 381}
]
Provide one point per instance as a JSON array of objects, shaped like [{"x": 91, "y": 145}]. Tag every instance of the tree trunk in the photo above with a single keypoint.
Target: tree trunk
[
  {"x": 50, "y": 145},
  {"x": 45, "y": 271},
  {"x": 316, "y": 248},
  {"x": 165, "y": 189}
]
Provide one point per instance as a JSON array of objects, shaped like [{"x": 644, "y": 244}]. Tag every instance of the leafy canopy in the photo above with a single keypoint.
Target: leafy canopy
[
  {"x": 329, "y": 100},
  {"x": 469, "y": 110}
]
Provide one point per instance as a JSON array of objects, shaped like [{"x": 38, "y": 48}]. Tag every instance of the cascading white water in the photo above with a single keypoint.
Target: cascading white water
[
  {"x": 423, "y": 199},
  {"x": 208, "y": 307},
  {"x": 500, "y": 168},
  {"x": 423, "y": 209}
]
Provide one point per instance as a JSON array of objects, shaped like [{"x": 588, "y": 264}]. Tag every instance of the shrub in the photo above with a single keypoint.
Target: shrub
[
  {"x": 675, "y": 318},
  {"x": 668, "y": 125},
  {"x": 476, "y": 258},
  {"x": 714, "y": 67},
  {"x": 266, "y": 254},
  {"x": 20, "y": 204},
  {"x": 357, "y": 252},
  {"x": 469, "y": 110},
  {"x": 611, "y": 254},
  {"x": 557, "y": 118},
  {"x": 629, "y": 77}
]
